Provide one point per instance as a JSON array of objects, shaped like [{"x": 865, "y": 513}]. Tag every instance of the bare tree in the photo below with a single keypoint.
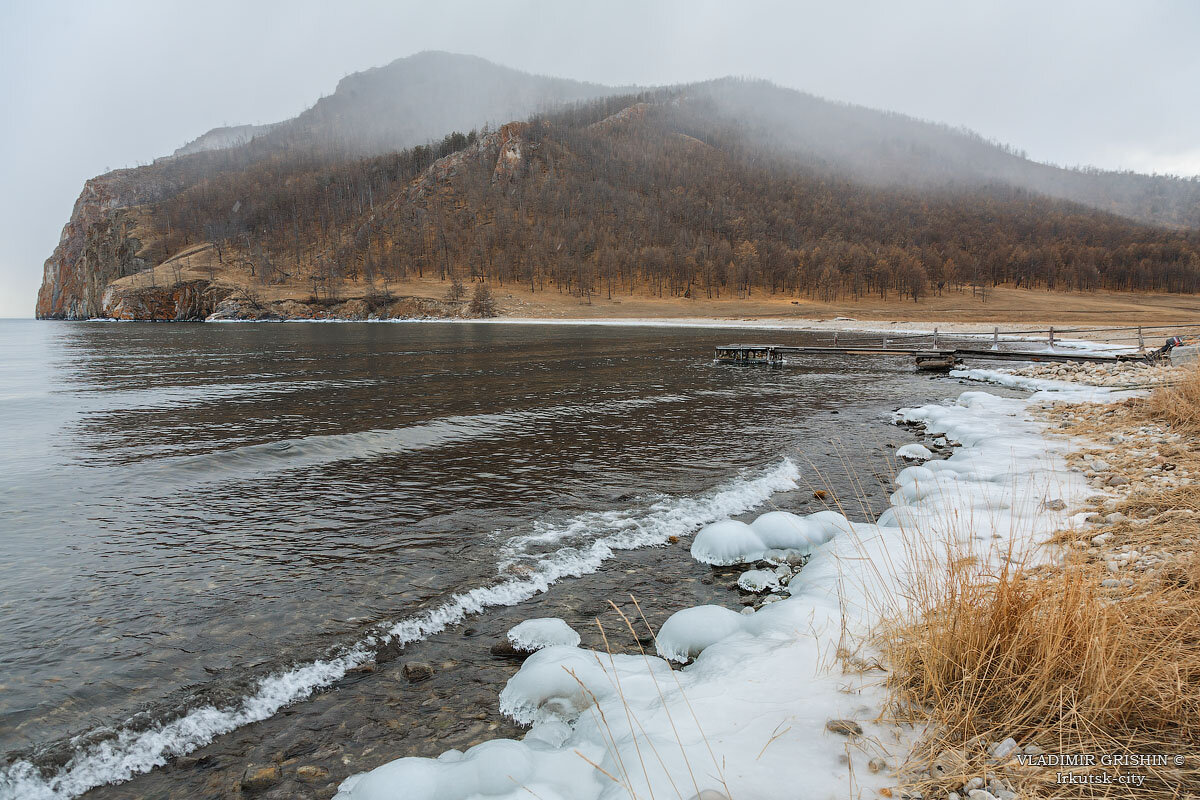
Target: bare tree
[
  {"x": 482, "y": 302},
  {"x": 457, "y": 291}
]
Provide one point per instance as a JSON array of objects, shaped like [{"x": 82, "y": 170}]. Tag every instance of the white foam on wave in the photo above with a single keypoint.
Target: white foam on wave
[
  {"x": 666, "y": 517},
  {"x": 594, "y": 538},
  {"x": 132, "y": 752}
]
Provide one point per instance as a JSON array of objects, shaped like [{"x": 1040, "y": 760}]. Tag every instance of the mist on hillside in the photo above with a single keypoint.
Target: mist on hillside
[
  {"x": 888, "y": 148},
  {"x": 423, "y": 98}
]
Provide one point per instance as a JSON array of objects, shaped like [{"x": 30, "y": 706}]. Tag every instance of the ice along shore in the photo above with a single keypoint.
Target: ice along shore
[{"x": 792, "y": 694}]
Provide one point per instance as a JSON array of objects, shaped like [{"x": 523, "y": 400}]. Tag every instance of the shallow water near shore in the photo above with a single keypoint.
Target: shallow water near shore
[{"x": 187, "y": 510}]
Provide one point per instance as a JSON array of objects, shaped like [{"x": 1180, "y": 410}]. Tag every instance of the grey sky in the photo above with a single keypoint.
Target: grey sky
[{"x": 93, "y": 85}]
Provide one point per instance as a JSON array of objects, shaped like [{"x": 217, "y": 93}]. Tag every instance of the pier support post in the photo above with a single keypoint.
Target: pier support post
[
  {"x": 996, "y": 338},
  {"x": 1141, "y": 341},
  {"x": 1051, "y": 337},
  {"x": 936, "y": 345}
]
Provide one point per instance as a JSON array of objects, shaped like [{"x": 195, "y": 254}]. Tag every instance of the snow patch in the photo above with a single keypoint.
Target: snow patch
[
  {"x": 758, "y": 580},
  {"x": 536, "y": 634}
]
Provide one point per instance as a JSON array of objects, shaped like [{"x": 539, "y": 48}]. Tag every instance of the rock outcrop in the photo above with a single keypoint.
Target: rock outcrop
[
  {"x": 189, "y": 301},
  {"x": 504, "y": 149},
  {"x": 243, "y": 306},
  {"x": 98, "y": 245}
]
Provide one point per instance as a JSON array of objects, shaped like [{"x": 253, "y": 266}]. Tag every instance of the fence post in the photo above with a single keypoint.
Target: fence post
[
  {"x": 936, "y": 345},
  {"x": 1051, "y": 337},
  {"x": 996, "y": 338},
  {"x": 835, "y": 333},
  {"x": 1141, "y": 341}
]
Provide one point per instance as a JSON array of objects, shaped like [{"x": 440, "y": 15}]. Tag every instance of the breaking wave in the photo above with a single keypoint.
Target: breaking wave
[{"x": 533, "y": 561}]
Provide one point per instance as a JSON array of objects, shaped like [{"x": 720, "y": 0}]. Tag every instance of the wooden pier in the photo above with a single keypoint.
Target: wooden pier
[{"x": 941, "y": 352}]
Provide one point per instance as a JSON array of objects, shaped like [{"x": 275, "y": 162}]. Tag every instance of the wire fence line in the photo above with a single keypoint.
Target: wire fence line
[{"x": 1137, "y": 337}]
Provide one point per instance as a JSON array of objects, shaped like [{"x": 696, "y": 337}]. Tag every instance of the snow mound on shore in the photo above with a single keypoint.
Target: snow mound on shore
[
  {"x": 775, "y": 534},
  {"x": 914, "y": 452},
  {"x": 748, "y": 716},
  {"x": 559, "y": 683},
  {"x": 536, "y": 634},
  {"x": 495, "y": 769},
  {"x": 686, "y": 633}
]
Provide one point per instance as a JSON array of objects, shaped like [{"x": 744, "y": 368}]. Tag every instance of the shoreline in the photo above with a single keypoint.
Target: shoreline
[
  {"x": 850, "y": 584},
  {"x": 866, "y": 687},
  {"x": 848, "y": 324},
  {"x": 1005, "y": 306},
  {"x": 1008, "y": 332},
  {"x": 175, "y": 772}
]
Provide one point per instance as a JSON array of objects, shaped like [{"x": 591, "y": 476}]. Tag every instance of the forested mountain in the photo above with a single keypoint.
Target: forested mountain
[
  {"x": 728, "y": 188},
  {"x": 631, "y": 192}
]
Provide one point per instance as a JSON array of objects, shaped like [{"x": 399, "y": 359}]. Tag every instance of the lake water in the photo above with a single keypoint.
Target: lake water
[{"x": 230, "y": 524}]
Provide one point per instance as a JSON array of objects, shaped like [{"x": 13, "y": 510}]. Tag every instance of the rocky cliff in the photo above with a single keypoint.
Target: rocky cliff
[
  {"x": 186, "y": 301},
  {"x": 98, "y": 244}
]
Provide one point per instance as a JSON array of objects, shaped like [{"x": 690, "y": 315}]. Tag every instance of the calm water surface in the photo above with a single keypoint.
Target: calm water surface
[{"x": 185, "y": 509}]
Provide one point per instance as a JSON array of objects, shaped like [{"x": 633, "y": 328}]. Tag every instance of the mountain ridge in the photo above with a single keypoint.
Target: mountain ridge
[{"x": 380, "y": 120}]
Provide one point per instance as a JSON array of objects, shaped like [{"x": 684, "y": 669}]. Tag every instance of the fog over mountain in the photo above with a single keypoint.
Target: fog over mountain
[
  {"x": 421, "y": 98},
  {"x": 888, "y": 148},
  {"x": 349, "y": 192},
  {"x": 1075, "y": 83}
]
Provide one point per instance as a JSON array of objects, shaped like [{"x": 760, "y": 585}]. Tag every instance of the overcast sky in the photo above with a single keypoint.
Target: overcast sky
[{"x": 89, "y": 86}]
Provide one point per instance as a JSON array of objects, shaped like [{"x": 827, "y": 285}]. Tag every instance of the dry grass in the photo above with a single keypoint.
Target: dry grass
[
  {"x": 1055, "y": 659},
  {"x": 1178, "y": 403}
]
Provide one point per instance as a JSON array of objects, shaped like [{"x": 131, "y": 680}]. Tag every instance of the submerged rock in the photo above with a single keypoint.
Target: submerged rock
[
  {"x": 506, "y": 649},
  {"x": 260, "y": 776},
  {"x": 415, "y": 671},
  {"x": 311, "y": 774}
]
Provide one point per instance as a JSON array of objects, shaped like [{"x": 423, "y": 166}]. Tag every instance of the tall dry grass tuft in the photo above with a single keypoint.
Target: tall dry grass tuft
[
  {"x": 1052, "y": 659},
  {"x": 1178, "y": 402}
]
